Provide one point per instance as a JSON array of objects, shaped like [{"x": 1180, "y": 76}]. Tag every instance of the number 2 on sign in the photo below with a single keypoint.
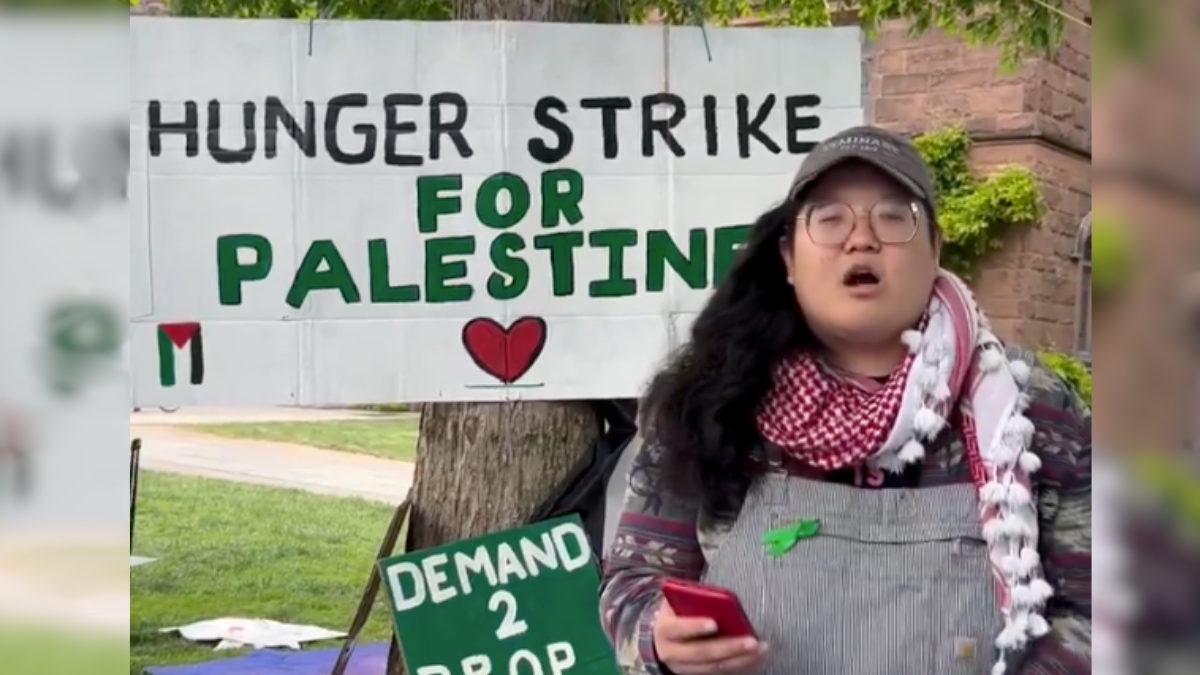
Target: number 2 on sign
[{"x": 510, "y": 625}]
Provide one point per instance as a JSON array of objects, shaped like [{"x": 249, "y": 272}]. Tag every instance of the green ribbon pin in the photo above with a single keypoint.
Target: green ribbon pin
[{"x": 783, "y": 539}]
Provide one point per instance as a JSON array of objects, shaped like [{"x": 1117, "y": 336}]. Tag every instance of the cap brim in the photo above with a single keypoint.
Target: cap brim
[{"x": 799, "y": 187}]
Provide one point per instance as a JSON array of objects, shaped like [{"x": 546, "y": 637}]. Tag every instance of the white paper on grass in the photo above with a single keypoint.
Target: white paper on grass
[
  {"x": 234, "y": 633},
  {"x": 329, "y": 351},
  {"x": 138, "y": 561}
]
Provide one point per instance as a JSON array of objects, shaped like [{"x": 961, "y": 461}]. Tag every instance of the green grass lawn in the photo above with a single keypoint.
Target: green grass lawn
[
  {"x": 391, "y": 438},
  {"x": 37, "y": 651},
  {"x": 233, "y": 550}
]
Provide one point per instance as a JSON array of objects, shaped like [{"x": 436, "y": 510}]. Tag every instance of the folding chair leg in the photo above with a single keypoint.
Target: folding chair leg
[
  {"x": 135, "y": 456},
  {"x": 365, "y": 604}
]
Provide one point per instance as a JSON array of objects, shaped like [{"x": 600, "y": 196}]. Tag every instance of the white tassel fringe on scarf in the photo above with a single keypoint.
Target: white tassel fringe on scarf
[{"x": 958, "y": 347}]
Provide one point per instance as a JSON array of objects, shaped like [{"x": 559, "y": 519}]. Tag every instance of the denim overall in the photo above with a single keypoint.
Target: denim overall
[{"x": 896, "y": 582}]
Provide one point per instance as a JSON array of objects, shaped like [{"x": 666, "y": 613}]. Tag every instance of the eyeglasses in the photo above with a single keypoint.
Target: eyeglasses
[{"x": 832, "y": 223}]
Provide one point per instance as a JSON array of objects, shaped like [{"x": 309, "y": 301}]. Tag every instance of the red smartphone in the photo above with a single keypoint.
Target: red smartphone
[{"x": 701, "y": 601}]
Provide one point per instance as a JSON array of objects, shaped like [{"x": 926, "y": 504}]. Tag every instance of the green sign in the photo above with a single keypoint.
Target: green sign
[{"x": 520, "y": 602}]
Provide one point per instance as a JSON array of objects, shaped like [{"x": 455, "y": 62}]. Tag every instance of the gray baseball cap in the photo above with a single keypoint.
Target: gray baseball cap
[{"x": 887, "y": 151}]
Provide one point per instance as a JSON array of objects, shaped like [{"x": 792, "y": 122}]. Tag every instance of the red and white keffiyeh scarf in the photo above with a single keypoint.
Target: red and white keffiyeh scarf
[{"x": 955, "y": 369}]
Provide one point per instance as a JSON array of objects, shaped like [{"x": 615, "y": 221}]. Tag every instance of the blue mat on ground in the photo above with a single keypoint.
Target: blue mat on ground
[{"x": 366, "y": 660}]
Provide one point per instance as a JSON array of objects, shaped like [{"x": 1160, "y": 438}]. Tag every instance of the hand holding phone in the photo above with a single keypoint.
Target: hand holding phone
[
  {"x": 702, "y": 629},
  {"x": 700, "y": 601}
]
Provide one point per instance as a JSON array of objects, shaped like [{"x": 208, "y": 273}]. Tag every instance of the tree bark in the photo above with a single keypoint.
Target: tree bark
[
  {"x": 545, "y": 11},
  {"x": 483, "y": 467}
]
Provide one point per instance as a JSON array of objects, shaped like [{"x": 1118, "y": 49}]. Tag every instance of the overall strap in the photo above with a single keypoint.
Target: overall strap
[{"x": 774, "y": 457}]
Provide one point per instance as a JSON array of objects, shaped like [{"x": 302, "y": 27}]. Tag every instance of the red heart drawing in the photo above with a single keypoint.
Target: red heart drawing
[{"x": 505, "y": 353}]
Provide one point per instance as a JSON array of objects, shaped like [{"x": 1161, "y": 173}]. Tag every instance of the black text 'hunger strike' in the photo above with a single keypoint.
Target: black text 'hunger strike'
[{"x": 442, "y": 118}]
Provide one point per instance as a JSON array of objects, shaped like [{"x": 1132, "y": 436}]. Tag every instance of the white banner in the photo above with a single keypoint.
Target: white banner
[
  {"x": 63, "y": 291},
  {"x": 354, "y": 212}
]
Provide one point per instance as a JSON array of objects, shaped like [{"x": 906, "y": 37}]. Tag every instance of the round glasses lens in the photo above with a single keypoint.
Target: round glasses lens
[
  {"x": 830, "y": 223},
  {"x": 894, "y": 222}
]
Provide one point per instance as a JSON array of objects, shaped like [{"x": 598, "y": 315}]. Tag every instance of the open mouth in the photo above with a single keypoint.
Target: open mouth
[{"x": 860, "y": 276}]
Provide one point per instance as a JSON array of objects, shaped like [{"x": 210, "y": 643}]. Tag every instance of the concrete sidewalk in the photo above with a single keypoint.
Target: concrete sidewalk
[
  {"x": 285, "y": 465},
  {"x": 35, "y": 560},
  {"x": 105, "y": 613}
]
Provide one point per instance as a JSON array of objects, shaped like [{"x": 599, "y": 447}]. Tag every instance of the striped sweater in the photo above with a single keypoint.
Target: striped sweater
[{"x": 659, "y": 536}]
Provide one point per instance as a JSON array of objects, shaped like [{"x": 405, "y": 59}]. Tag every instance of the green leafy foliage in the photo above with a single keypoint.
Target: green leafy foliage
[
  {"x": 1130, "y": 31},
  {"x": 1071, "y": 370},
  {"x": 417, "y": 10},
  {"x": 1019, "y": 27},
  {"x": 81, "y": 7},
  {"x": 1112, "y": 254},
  {"x": 975, "y": 213},
  {"x": 1172, "y": 479}
]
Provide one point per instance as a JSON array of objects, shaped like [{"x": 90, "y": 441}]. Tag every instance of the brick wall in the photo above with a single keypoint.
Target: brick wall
[
  {"x": 1150, "y": 366},
  {"x": 1038, "y": 116},
  {"x": 1147, "y": 119}
]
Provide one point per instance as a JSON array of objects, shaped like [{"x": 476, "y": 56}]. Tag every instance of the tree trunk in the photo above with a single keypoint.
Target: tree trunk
[
  {"x": 544, "y": 11},
  {"x": 485, "y": 467}
]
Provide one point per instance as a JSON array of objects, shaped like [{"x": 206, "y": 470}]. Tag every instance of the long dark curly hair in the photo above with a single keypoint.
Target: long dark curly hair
[{"x": 699, "y": 410}]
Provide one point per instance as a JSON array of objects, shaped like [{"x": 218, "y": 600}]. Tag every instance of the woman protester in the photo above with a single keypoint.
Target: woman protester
[{"x": 846, "y": 446}]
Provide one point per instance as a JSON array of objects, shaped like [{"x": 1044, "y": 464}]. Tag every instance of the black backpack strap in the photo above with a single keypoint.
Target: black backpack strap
[
  {"x": 620, "y": 419},
  {"x": 584, "y": 490}
]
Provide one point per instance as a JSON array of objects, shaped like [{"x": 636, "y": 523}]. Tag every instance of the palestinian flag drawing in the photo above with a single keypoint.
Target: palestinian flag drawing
[{"x": 173, "y": 337}]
